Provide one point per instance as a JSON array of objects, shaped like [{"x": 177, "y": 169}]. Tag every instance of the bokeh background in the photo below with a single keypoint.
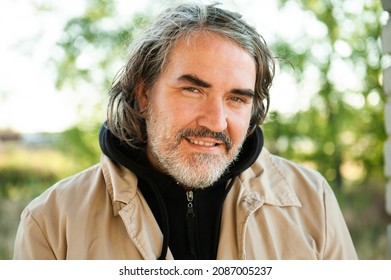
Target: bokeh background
[{"x": 59, "y": 58}]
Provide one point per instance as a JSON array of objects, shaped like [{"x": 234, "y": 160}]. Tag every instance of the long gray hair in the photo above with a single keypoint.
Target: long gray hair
[{"x": 149, "y": 55}]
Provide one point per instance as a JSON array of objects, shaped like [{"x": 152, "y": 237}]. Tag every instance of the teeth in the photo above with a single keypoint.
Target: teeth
[{"x": 202, "y": 143}]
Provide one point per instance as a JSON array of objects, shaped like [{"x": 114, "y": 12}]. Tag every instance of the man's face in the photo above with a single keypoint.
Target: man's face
[{"x": 199, "y": 109}]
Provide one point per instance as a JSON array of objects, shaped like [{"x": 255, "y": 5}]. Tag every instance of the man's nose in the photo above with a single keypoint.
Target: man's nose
[{"x": 213, "y": 115}]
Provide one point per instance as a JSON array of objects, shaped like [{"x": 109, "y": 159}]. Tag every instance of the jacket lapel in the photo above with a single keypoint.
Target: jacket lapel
[
  {"x": 143, "y": 229},
  {"x": 133, "y": 209}
]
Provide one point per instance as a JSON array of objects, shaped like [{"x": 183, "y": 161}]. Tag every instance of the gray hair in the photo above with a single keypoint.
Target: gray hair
[{"x": 150, "y": 52}]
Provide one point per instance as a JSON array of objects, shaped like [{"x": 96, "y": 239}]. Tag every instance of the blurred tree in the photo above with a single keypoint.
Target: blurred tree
[
  {"x": 341, "y": 133},
  {"x": 90, "y": 53},
  {"x": 93, "y": 45},
  {"x": 80, "y": 144}
]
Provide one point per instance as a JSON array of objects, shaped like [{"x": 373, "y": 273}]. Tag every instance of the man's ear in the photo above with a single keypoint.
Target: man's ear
[{"x": 142, "y": 96}]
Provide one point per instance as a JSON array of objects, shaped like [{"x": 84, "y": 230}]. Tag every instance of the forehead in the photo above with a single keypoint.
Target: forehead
[
  {"x": 205, "y": 40},
  {"x": 209, "y": 54}
]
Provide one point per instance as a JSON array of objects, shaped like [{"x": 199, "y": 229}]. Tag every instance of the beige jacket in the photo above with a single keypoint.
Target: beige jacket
[{"x": 275, "y": 210}]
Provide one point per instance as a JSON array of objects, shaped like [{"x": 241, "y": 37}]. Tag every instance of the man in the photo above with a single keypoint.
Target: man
[{"x": 184, "y": 174}]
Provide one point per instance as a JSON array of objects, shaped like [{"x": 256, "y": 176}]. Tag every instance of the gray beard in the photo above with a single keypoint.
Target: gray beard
[{"x": 196, "y": 171}]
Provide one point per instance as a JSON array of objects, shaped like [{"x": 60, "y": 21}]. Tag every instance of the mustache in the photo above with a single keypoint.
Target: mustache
[{"x": 207, "y": 133}]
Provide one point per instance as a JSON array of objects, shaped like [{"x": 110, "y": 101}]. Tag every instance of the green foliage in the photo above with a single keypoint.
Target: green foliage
[
  {"x": 341, "y": 134},
  {"x": 93, "y": 44},
  {"x": 80, "y": 144}
]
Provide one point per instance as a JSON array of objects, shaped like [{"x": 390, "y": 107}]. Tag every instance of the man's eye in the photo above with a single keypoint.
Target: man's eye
[
  {"x": 192, "y": 89},
  {"x": 238, "y": 99}
]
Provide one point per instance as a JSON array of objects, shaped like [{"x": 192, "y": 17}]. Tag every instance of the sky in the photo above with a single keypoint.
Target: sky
[{"x": 29, "y": 101}]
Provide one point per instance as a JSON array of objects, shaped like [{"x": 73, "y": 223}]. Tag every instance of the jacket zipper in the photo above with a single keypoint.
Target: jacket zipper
[{"x": 190, "y": 221}]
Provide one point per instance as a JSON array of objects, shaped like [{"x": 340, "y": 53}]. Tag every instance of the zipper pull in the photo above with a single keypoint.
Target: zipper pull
[
  {"x": 190, "y": 224},
  {"x": 190, "y": 209}
]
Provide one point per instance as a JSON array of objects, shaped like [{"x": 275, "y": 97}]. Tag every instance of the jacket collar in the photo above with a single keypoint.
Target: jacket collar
[
  {"x": 120, "y": 182},
  {"x": 265, "y": 183}
]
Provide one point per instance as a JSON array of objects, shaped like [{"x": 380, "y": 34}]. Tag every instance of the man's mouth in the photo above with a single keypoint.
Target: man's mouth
[
  {"x": 205, "y": 137},
  {"x": 202, "y": 143}
]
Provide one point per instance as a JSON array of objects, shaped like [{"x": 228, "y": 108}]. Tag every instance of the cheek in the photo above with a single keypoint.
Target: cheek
[
  {"x": 238, "y": 127},
  {"x": 184, "y": 114},
  {"x": 168, "y": 119}
]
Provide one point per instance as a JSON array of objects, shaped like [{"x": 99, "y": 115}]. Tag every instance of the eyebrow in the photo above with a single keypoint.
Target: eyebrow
[
  {"x": 244, "y": 92},
  {"x": 193, "y": 79}
]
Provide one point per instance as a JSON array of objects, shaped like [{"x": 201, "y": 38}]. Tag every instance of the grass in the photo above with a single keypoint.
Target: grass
[{"x": 25, "y": 172}]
